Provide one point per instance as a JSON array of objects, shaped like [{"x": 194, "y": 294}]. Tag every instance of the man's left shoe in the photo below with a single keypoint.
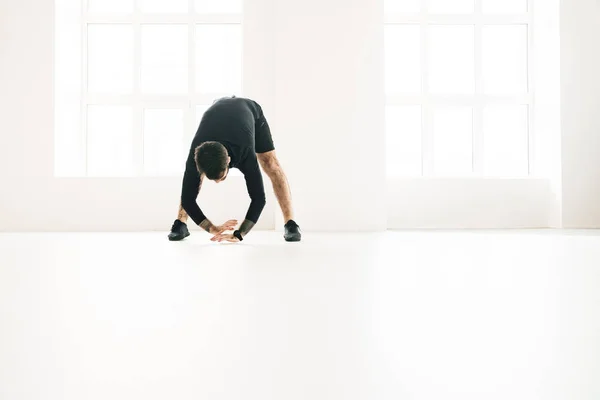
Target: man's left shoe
[
  {"x": 292, "y": 232},
  {"x": 179, "y": 231}
]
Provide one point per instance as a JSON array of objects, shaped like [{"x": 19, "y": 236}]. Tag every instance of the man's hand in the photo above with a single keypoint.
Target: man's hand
[
  {"x": 227, "y": 226},
  {"x": 225, "y": 238}
]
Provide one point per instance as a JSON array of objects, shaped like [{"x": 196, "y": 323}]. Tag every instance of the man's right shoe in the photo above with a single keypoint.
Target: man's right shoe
[
  {"x": 179, "y": 231},
  {"x": 292, "y": 232}
]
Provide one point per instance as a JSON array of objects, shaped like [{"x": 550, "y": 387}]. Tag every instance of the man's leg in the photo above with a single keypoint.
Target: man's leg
[
  {"x": 269, "y": 163},
  {"x": 265, "y": 149},
  {"x": 182, "y": 215}
]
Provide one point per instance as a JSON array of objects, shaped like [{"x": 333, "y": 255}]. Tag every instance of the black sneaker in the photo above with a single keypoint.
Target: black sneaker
[
  {"x": 179, "y": 231},
  {"x": 292, "y": 232}
]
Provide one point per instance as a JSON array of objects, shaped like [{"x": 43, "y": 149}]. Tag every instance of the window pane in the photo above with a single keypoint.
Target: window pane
[
  {"x": 402, "y": 6},
  {"x": 451, "y": 6},
  {"x": 504, "y": 59},
  {"x": 164, "y": 59},
  {"x": 161, "y": 6},
  {"x": 506, "y": 140},
  {"x": 403, "y": 59},
  {"x": 110, "y": 6},
  {"x": 504, "y": 6},
  {"x": 110, "y": 59},
  {"x": 110, "y": 141},
  {"x": 453, "y": 141},
  {"x": 218, "y": 6},
  {"x": 164, "y": 149},
  {"x": 219, "y": 59},
  {"x": 403, "y": 146},
  {"x": 452, "y": 59}
]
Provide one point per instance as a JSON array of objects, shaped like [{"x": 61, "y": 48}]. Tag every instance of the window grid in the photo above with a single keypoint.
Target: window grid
[
  {"x": 479, "y": 100},
  {"x": 138, "y": 100}
]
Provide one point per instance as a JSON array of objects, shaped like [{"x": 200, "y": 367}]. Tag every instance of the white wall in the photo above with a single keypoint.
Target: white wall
[
  {"x": 580, "y": 77},
  {"x": 317, "y": 68},
  {"x": 26, "y": 81},
  {"x": 470, "y": 203},
  {"x": 330, "y": 110},
  {"x": 546, "y": 84}
]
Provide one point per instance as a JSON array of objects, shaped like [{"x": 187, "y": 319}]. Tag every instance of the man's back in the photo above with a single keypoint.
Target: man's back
[{"x": 230, "y": 119}]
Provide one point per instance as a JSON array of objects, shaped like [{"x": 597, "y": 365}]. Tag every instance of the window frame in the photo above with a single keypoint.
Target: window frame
[
  {"x": 187, "y": 102},
  {"x": 478, "y": 100}
]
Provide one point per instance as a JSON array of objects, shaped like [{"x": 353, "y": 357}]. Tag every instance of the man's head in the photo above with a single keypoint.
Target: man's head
[{"x": 212, "y": 160}]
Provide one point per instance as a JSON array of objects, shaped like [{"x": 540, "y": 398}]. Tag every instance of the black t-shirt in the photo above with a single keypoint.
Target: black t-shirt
[{"x": 232, "y": 122}]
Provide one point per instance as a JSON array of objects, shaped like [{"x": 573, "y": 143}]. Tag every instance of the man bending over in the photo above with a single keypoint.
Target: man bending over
[{"x": 233, "y": 133}]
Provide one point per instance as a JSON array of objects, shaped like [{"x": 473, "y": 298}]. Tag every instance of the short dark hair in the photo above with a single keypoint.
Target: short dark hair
[{"x": 211, "y": 159}]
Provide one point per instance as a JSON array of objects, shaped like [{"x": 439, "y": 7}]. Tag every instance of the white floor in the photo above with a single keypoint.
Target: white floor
[{"x": 406, "y": 315}]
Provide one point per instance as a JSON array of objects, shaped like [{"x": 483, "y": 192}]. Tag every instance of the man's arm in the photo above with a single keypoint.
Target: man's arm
[
  {"x": 256, "y": 190},
  {"x": 192, "y": 181}
]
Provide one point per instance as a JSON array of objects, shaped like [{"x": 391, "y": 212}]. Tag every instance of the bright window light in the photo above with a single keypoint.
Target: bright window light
[
  {"x": 218, "y": 6},
  {"x": 109, "y": 138},
  {"x": 163, "y": 7},
  {"x": 165, "y": 150},
  {"x": 451, "y": 59},
  {"x": 110, "y": 6},
  {"x": 218, "y": 58},
  {"x": 451, "y": 6},
  {"x": 403, "y": 143},
  {"x": 453, "y": 141},
  {"x": 133, "y": 82},
  {"x": 403, "y": 58},
  {"x": 504, "y": 6},
  {"x": 164, "y": 68},
  {"x": 464, "y": 65},
  {"x": 504, "y": 57},
  {"x": 505, "y": 140},
  {"x": 402, "y": 6},
  {"x": 110, "y": 58}
]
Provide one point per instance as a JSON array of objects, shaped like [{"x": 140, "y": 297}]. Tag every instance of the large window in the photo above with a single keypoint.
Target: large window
[
  {"x": 458, "y": 85},
  {"x": 134, "y": 78}
]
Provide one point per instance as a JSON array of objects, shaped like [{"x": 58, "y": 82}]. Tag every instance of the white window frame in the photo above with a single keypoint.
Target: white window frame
[
  {"x": 138, "y": 100},
  {"x": 478, "y": 100}
]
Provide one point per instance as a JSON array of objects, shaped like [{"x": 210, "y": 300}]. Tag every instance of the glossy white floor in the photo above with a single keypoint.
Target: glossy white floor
[{"x": 407, "y": 315}]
